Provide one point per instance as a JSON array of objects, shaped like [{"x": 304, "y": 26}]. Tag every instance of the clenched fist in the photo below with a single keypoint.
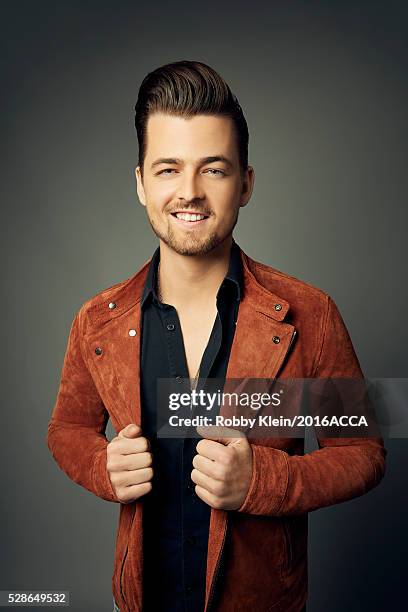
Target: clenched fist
[
  {"x": 129, "y": 464},
  {"x": 222, "y": 467}
]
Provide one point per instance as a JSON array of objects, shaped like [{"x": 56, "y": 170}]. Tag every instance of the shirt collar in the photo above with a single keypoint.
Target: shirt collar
[
  {"x": 235, "y": 272},
  {"x": 234, "y": 276},
  {"x": 149, "y": 288}
]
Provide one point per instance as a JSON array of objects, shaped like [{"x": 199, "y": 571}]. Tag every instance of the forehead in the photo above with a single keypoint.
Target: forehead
[{"x": 197, "y": 136}]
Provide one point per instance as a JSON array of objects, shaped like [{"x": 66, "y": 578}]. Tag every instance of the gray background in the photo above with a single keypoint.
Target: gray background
[{"x": 324, "y": 89}]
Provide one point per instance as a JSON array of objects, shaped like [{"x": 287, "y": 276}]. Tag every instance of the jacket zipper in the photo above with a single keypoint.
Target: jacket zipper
[
  {"x": 124, "y": 559},
  {"x": 121, "y": 575},
  {"x": 288, "y": 547},
  {"x": 216, "y": 570},
  {"x": 286, "y": 535}
]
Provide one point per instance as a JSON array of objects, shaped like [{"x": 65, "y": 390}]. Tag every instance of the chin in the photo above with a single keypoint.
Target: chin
[{"x": 192, "y": 246}]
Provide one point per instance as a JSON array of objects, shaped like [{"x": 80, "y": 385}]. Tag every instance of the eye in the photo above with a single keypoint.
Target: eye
[
  {"x": 166, "y": 170},
  {"x": 216, "y": 171},
  {"x": 213, "y": 171}
]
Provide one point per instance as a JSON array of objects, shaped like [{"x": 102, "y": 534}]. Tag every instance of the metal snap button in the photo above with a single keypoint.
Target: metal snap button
[
  {"x": 170, "y": 326},
  {"x": 278, "y": 306},
  {"x": 98, "y": 350},
  {"x": 276, "y": 339},
  {"x": 132, "y": 332},
  {"x": 112, "y": 305}
]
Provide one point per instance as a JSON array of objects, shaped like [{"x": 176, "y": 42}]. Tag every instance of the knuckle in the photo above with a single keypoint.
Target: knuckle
[
  {"x": 141, "y": 461},
  {"x": 143, "y": 445},
  {"x": 121, "y": 495},
  {"x": 112, "y": 463},
  {"x": 113, "y": 479},
  {"x": 110, "y": 449}
]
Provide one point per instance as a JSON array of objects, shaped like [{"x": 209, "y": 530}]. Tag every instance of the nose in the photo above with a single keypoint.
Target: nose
[{"x": 190, "y": 187}]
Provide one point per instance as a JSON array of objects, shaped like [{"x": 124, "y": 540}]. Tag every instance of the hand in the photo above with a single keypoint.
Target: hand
[
  {"x": 222, "y": 467},
  {"x": 129, "y": 464}
]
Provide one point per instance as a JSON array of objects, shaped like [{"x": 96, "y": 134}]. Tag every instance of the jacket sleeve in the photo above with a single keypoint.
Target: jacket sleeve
[
  {"x": 341, "y": 469},
  {"x": 76, "y": 431}
]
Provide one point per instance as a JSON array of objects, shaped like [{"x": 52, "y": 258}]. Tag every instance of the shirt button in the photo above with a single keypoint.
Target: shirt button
[
  {"x": 170, "y": 326},
  {"x": 276, "y": 339},
  {"x": 278, "y": 306},
  {"x": 98, "y": 350},
  {"x": 132, "y": 332},
  {"x": 112, "y": 305},
  {"x": 179, "y": 379}
]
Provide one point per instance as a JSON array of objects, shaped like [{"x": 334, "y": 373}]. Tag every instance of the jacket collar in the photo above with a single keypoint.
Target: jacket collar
[{"x": 120, "y": 298}]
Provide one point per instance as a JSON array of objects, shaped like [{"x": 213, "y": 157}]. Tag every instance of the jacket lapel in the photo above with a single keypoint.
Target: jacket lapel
[{"x": 118, "y": 368}]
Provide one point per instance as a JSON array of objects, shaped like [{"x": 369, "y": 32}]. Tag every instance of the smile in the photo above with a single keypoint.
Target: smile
[{"x": 190, "y": 219}]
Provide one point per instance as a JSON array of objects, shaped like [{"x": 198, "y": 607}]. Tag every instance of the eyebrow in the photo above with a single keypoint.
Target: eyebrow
[{"x": 204, "y": 160}]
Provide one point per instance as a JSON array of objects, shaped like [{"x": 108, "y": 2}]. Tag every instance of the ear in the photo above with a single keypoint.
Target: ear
[
  {"x": 139, "y": 186},
  {"x": 247, "y": 186}
]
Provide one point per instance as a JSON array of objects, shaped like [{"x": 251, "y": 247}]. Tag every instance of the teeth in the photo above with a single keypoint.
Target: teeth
[{"x": 189, "y": 216}]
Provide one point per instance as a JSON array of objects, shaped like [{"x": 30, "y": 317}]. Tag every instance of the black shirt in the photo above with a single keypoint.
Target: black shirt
[{"x": 175, "y": 519}]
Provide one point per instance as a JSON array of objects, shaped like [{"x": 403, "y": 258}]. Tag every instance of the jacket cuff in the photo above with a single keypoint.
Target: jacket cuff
[
  {"x": 100, "y": 478},
  {"x": 269, "y": 483}
]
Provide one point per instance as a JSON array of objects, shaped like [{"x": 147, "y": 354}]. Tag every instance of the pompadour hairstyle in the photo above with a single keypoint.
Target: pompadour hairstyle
[{"x": 188, "y": 88}]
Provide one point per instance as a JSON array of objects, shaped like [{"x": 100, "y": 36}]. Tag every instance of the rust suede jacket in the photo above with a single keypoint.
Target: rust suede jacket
[{"x": 265, "y": 540}]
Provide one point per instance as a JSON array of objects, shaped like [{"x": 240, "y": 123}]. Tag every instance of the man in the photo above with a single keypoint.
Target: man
[{"x": 220, "y": 524}]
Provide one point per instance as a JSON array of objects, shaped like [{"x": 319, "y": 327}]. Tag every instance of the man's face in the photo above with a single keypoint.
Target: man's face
[{"x": 192, "y": 166}]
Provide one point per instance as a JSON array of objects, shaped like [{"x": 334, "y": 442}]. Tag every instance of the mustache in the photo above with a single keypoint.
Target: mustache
[{"x": 195, "y": 209}]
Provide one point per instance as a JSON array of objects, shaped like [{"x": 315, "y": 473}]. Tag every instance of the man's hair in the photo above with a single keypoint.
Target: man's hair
[{"x": 184, "y": 89}]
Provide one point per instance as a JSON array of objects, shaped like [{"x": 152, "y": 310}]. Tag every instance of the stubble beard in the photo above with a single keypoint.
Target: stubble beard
[{"x": 190, "y": 245}]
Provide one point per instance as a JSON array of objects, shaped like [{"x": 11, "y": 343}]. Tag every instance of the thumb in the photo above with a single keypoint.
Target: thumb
[
  {"x": 218, "y": 433},
  {"x": 130, "y": 431}
]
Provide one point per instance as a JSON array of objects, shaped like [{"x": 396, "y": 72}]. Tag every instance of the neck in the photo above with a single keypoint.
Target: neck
[{"x": 192, "y": 279}]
